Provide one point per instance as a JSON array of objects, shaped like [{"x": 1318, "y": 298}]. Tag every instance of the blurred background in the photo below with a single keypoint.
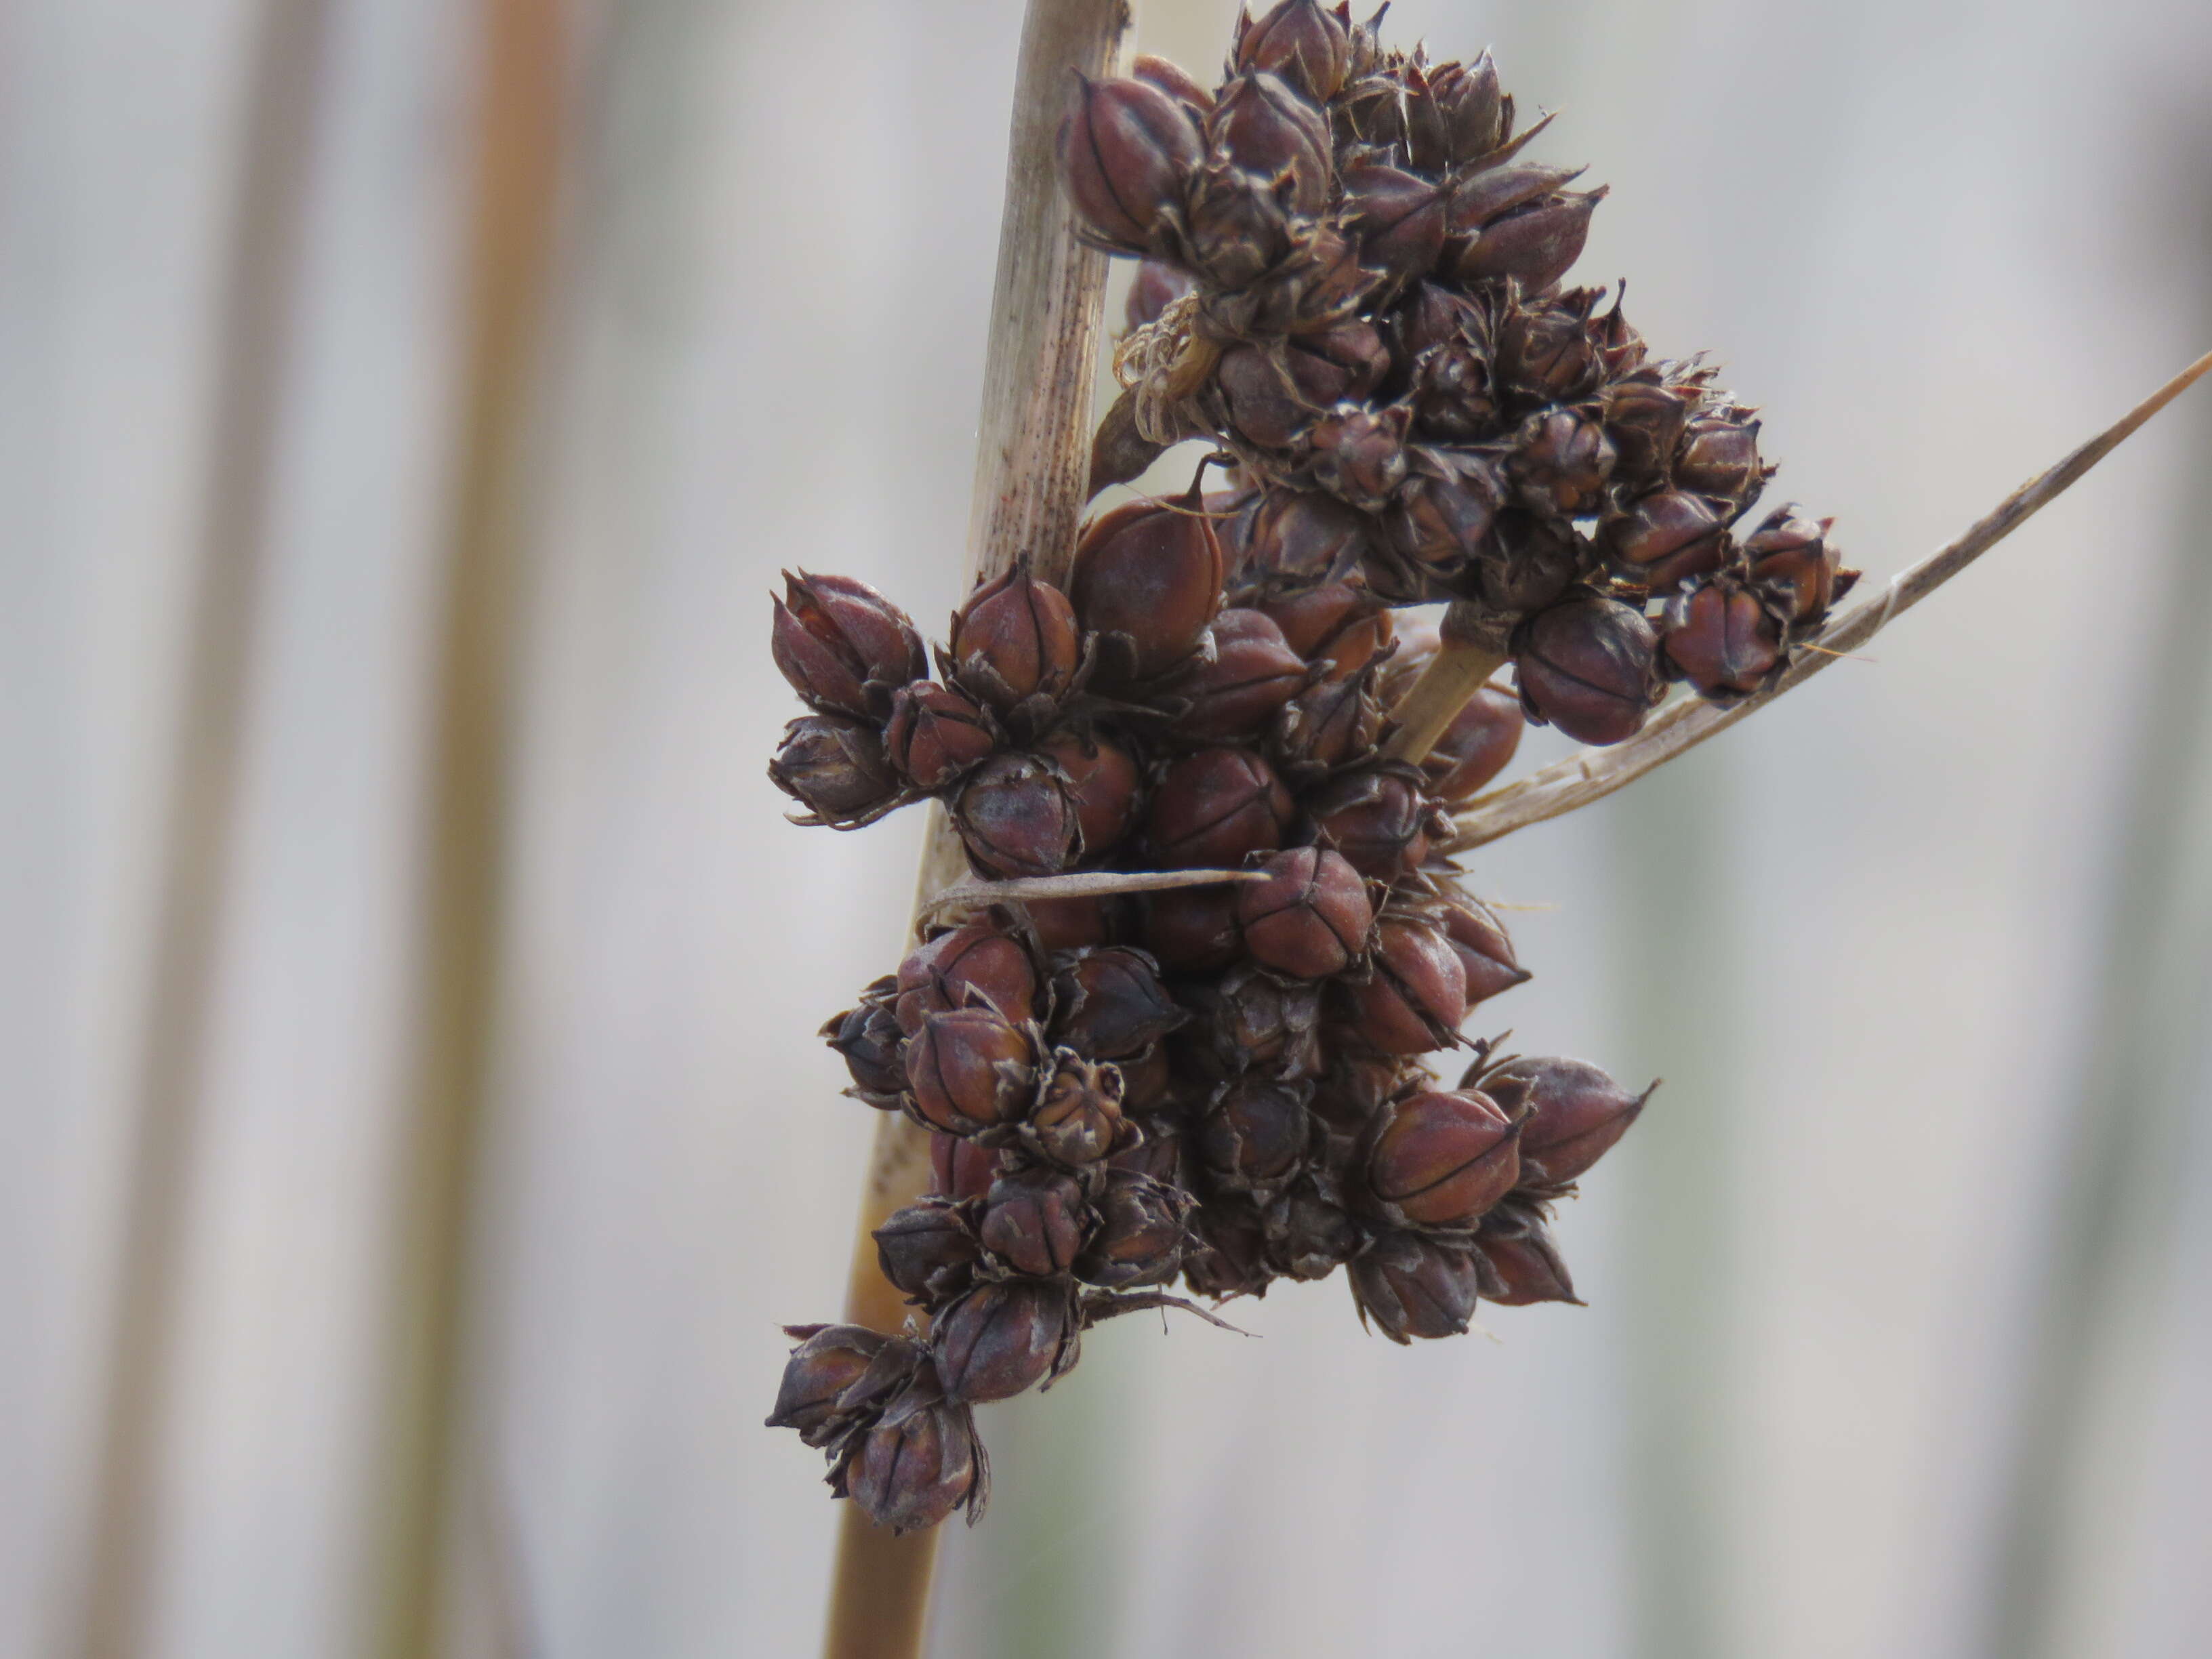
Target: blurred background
[{"x": 385, "y": 664}]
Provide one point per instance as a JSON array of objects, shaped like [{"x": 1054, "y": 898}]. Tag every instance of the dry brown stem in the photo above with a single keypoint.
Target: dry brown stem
[
  {"x": 1569, "y": 784},
  {"x": 1031, "y": 463},
  {"x": 1460, "y": 667}
]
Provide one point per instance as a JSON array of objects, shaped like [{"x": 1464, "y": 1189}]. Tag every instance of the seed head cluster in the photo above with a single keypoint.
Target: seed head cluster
[{"x": 1350, "y": 287}]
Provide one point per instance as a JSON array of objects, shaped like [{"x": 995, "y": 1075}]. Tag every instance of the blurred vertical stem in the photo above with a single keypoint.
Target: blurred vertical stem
[
  {"x": 1032, "y": 459},
  {"x": 259, "y": 295},
  {"x": 518, "y": 146},
  {"x": 1674, "y": 954}
]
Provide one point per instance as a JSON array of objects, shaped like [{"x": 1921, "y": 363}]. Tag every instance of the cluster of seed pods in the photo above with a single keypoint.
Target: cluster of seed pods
[{"x": 1350, "y": 289}]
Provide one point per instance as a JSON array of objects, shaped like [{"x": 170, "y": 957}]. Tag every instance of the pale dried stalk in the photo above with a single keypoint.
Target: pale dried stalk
[
  {"x": 1462, "y": 666},
  {"x": 1569, "y": 784},
  {"x": 1031, "y": 463}
]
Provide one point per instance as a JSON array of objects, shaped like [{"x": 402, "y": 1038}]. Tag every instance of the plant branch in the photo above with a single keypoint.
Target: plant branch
[
  {"x": 1569, "y": 784},
  {"x": 1463, "y": 664},
  {"x": 1031, "y": 463}
]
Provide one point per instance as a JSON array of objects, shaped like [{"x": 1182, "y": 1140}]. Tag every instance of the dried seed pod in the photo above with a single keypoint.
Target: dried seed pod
[
  {"x": 1301, "y": 40},
  {"x": 1475, "y": 747},
  {"x": 1723, "y": 638},
  {"x": 1484, "y": 198},
  {"x": 1409, "y": 1286},
  {"x": 1126, "y": 150},
  {"x": 1309, "y": 918},
  {"x": 1528, "y": 562},
  {"x": 1104, "y": 783},
  {"x": 1357, "y": 1085},
  {"x": 970, "y": 1069},
  {"x": 1550, "y": 350},
  {"x": 1719, "y": 455},
  {"x": 867, "y": 1036},
  {"x": 1110, "y": 1004},
  {"x": 1192, "y": 930},
  {"x": 926, "y": 1250},
  {"x": 1415, "y": 996},
  {"x": 1666, "y": 537},
  {"x": 837, "y": 769},
  {"x": 1078, "y": 1118},
  {"x": 1259, "y": 125},
  {"x": 1331, "y": 623},
  {"x": 1156, "y": 286},
  {"x": 960, "y": 1167},
  {"x": 1377, "y": 817},
  {"x": 1572, "y": 1113},
  {"x": 1337, "y": 723},
  {"x": 1302, "y": 533},
  {"x": 1265, "y": 405},
  {"x": 1520, "y": 1263},
  {"x": 1228, "y": 1253},
  {"x": 1533, "y": 246},
  {"x": 1644, "y": 414},
  {"x": 1069, "y": 924},
  {"x": 1790, "y": 557},
  {"x": 1157, "y": 1155},
  {"x": 1474, "y": 116},
  {"x": 1142, "y": 1226},
  {"x": 935, "y": 735},
  {"x": 1360, "y": 454},
  {"x": 1236, "y": 229},
  {"x": 844, "y": 646},
  {"x": 917, "y": 1465},
  {"x": 1308, "y": 1235},
  {"x": 1561, "y": 460},
  {"x": 1151, "y": 573},
  {"x": 1587, "y": 665},
  {"x": 1015, "y": 639},
  {"x": 1175, "y": 81},
  {"x": 1033, "y": 1221},
  {"x": 1146, "y": 1080},
  {"x": 1018, "y": 817},
  {"x": 946, "y": 971},
  {"x": 1440, "y": 522},
  {"x": 1212, "y": 808},
  {"x": 1484, "y": 950},
  {"x": 1254, "y": 1133},
  {"x": 1399, "y": 218},
  {"x": 1250, "y": 1020},
  {"x": 1003, "y": 1337},
  {"x": 1252, "y": 673},
  {"x": 824, "y": 1370},
  {"x": 1442, "y": 1158}
]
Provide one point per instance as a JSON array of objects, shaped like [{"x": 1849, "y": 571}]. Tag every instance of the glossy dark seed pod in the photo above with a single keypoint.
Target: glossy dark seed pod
[
  {"x": 835, "y": 768},
  {"x": 1192, "y": 930},
  {"x": 823, "y": 1371},
  {"x": 1150, "y": 571},
  {"x": 1004, "y": 1337},
  {"x": 1018, "y": 817},
  {"x": 1103, "y": 784},
  {"x": 1550, "y": 350},
  {"x": 1142, "y": 1228},
  {"x": 1442, "y": 1158},
  {"x": 1587, "y": 666},
  {"x": 1792, "y": 558},
  {"x": 935, "y": 735},
  {"x": 1254, "y": 1133},
  {"x": 1573, "y": 1113},
  {"x": 1069, "y": 924},
  {"x": 1015, "y": 639},
  {"x": 970, "y": 1069},
  {"x": 1310, "y": 916},
  {"x": 1439, "y": 523},
  {"x": 1415, "y": 995},
  {"x": 1250, "y": 1020},
  {"x": 1304, "y": 534},
  {"x": 1719, "y": 455},
  {"x": 868, "y": 1038},
  {"x": 1520, "y": 1261},
  {"x": 1378, "y": 819},
  {"x": 928, "y": 1250},
  {"x": 1213, "y": 807},
  {"x": 1475, "y": 747},
  {"x": 1560, "y": 463},
  {"x": 1126, "y": 150},
  {"x": 1301, "y": 40},
  {"x": 1033, "y": 1221},
  {"x": 844, "y": 646},
  {"x": 1666, "y": 537},
  {"x": 1335, "y": 724},
  {"x": 1408, "y": 1286},
  {"x": 1399, "y": 218},
  {"x": 1725, "y": 639},
  {"x": 960, "y": 1167},
  {"x": 917, "y": 1465},
  {"x": 1333, "y": 623},
  {"x": 1252, "y": 673},
  {"x": 1360, "y": 454},
  {"x": 1474, "y": 115},
  {"x": 1110, "y": 1004},
  {"x": 1644, "y": 413},
  {"x": 1530, "y": 561},
  {"x": 947, "y": 970},
  {"x": 1484, "y": 950},
  {"x": 1533, "y": 246},
  {"x": 1261, "y": 125}
]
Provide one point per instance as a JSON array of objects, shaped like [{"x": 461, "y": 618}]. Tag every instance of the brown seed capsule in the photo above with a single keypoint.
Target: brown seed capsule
[
  {"x": 1156, "y": 286},
  {"x": 1213, "y": 807},
  {"x": 1018, "y": 817},
  {"x": 945, "y": 972},
  {"x": 1077, "y": 1120},
  {"x": 1723, "y": 638},
  {"x": 1303, "y": 41},
  {"x": 1015, "y": 639},
  {"x": 1378, "y": 819},
  {"x": 1644, "y": 414},
  {"x": 1309, "y": 918},
  {"x": 1791, "y": 557},
  {"x": 1485, "y": 951},
  {"x": 1146, "y": 1080},
  {"x": 1192, "y": 930},
  {"x": 1360, "y": 454},
  {"x": 1332, "y": 623},
  {"x": 1527, "y": 563},
  {"x": 1441, "y": 1159},
  {"x": 1254, "y": 1133},
  {"x": 1261, "y": 125},
  {"x": 822, "y": 1369},
  {"x": 1265, "y": 405},
  {"x": 926, "y": 1250},
  {"x": 1110, "y": 1004},
  {"x": 1337, "y": 723},
  {"x": 1173, "y": 80},
  {"x": 1250, "y": 1020},
  {"x": 1719, "y": 455},
  {"x": 1410, "y": 1286},
  {"x": 1139, "y": 1238},
  {"x": 1102, "y": 781},
  {"x": 1236, "y": 229},
  {"x": 1069, "y": 924},
  {"x": 1484, "y": 198},
  {"x": 1304, "y": 534},
  {"x": 1548, "y": 350},
  {"x": 1533, "y": 246},
  {"x": 1438, "y": 523},
  {"x": 844, "y": 646},
  {"x": 1572, "y": 1114},
  {"x": 935, "y": 735},
  {"x": 868, "y": 1038},
  {"x": 1308, "y": 1235},
  {"x": 1475, "y": 747},
  {"x": 1521, "y": 1262},
  {"x": 917, "y": 1465},
  {"x": 1228, "y": 1253},
  {"x": 1475, "y": 117},
  {"x": 1003, "y": 1337},
  {"x": 837, "y": 769},
  {"x": 1416, "y": 995},
  {"x": 1667, "y": 537},
  {"x": 1561, "y": 462},
  {"x": 959, "y": 1168},
  {"x": 1150, "y": 571},
  {"x": 1356, "y": 1086},
  {"x": 1034, "y": 1222},
  {"x": 1157, "y": 1155},
  {"x": 970, "y": 1069},
  {"x": 1399, "y": 218},
  {"x": 1126, "y": 150},
  {"x": 1587, "y": 665},
  {"x": 1252, "y": 674}
]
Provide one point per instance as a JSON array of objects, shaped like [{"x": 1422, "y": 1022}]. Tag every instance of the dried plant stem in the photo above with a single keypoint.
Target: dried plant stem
[
  {"x": 1460, "y": 669},
  {"x": 1569, "y": 784},
  {"x": 1031, "y": 464}
]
